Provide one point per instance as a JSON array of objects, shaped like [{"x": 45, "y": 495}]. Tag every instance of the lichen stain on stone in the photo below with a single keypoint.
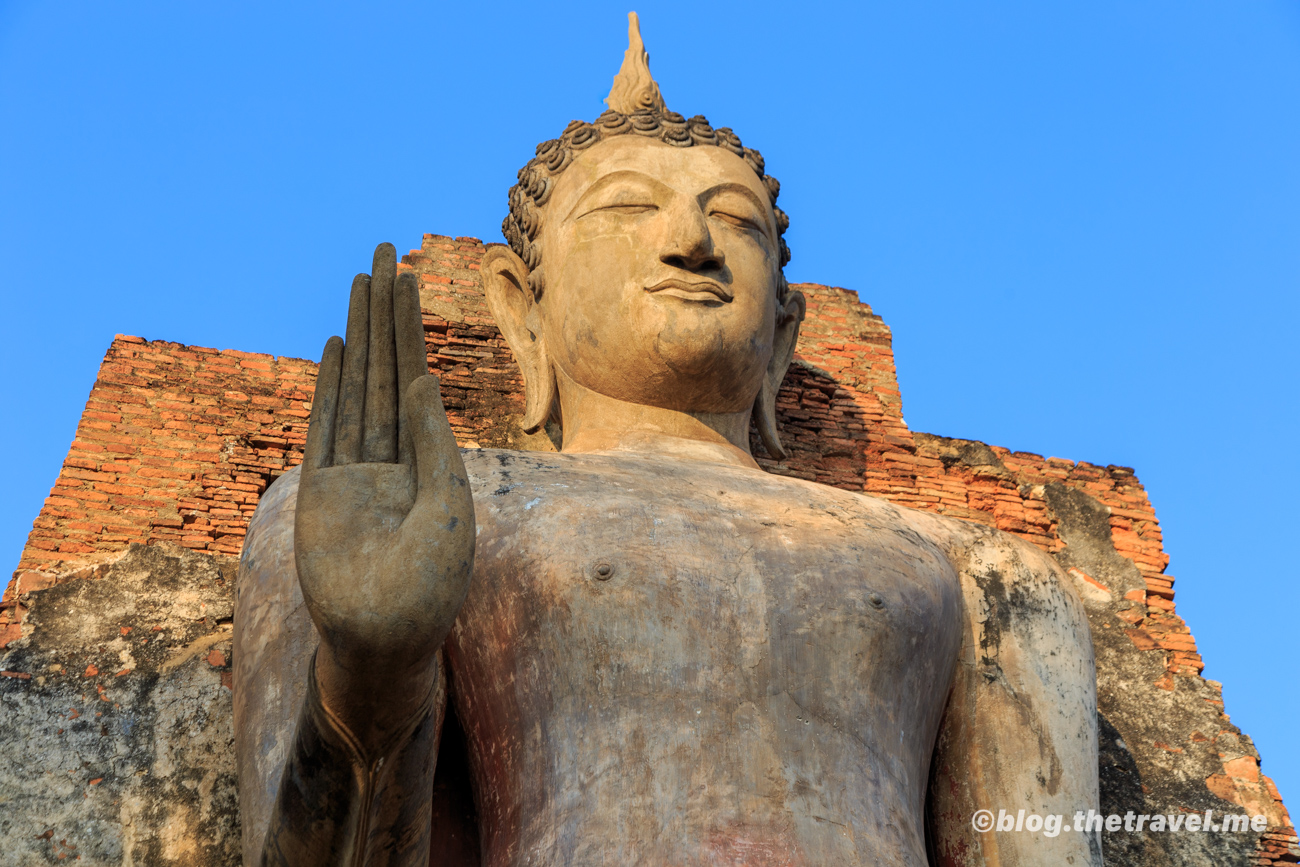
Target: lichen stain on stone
[{"x": 120, "y": 744}]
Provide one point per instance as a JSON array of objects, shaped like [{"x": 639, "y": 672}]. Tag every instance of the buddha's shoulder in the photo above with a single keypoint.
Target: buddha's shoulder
[
  {"x": 517, "y": 482},
  {"x": 993, "y": 564},
  {"x": 654, "y": 478},
  {"x": 509, "y": 486},
  {"x": 579, "y": 482},
  {"x": 583, "y": 481}
]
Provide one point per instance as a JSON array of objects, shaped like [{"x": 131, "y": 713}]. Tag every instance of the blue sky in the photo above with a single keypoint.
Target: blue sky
[{"x": 1080, "y": 219}]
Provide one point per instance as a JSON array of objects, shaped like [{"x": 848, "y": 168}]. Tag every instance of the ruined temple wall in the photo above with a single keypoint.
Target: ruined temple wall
[{"x": 178, "y": 443}]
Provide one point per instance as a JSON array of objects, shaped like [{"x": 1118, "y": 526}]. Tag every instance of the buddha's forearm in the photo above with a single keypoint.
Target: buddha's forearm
[
  {"x": 350, "y": 801},
  {"x": 370, "y": 696}
]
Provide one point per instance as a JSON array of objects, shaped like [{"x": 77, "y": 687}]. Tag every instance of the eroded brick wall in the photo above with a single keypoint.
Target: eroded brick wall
[{"x": 177, "y": 444}]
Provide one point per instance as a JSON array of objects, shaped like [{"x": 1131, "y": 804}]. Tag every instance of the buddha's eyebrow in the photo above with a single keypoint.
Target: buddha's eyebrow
[{"x": 609, "y": 180}]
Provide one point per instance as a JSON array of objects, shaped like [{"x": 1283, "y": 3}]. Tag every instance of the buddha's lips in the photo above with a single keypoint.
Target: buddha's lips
[{"x": 705, "y": 290}]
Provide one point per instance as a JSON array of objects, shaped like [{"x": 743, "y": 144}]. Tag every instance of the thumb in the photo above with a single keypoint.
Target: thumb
[{"x": 437, "y": 457}]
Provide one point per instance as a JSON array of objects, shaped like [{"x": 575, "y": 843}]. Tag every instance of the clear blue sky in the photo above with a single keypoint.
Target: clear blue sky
[{"x": 1081, "y": 219}]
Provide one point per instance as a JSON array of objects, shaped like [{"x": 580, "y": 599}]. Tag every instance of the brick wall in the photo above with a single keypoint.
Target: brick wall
[{"x": 177, "y": 443}]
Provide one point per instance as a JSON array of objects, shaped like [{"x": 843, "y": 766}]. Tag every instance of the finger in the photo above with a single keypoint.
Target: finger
[
  {"x": 352, "y": 398},
  {"x": 320, "y": 429},
  {"x": 412, "y": 358},
  {"x": 436, "y": 452},
  {"x": 380, "y": 434}
]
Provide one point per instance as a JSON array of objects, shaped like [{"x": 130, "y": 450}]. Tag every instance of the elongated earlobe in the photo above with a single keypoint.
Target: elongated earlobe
[
  {"x": 789, "y": 316},
  {"x": 505, "y": 283},
  {"x": 539, "y": 385},
  {"x": 765, "y": 419}
]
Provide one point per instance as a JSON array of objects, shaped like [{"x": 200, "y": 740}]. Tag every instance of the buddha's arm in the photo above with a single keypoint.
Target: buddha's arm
[
  {"x": 1020, "y": 730},
  {"x": 384, "y": 550},
  {"x": 345, "y": 801}
]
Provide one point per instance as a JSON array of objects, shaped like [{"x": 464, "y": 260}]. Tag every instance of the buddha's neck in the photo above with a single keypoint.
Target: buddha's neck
[{"x": 595, "y": 423}]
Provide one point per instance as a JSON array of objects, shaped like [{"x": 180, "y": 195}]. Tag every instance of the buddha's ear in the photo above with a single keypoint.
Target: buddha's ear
[
  {"x": 505, "y": 282},
  {"x": 789, "y": 314}
]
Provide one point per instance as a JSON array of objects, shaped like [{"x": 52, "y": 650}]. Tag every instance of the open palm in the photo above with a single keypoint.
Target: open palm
[{"x": 384, "y": 531}]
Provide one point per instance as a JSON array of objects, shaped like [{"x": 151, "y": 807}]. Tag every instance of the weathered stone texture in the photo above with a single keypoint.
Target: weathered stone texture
[
  {"x": 117, "y": 742},
  {"x": 178, "y": 443}
]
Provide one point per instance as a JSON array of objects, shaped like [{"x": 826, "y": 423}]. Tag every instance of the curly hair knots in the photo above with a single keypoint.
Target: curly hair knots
[{"x": 522, "y": 227}]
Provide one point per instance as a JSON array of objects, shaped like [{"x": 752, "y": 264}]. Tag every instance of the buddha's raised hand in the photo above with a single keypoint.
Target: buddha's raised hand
[{"x": 384, "y": 532}]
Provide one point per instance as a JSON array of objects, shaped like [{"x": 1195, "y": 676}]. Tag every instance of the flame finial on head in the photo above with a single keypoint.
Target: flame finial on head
[{"x": 634, "y": 88}]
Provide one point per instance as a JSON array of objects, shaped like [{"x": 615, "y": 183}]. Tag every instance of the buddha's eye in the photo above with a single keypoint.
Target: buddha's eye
[
  {"x": 737, "y": 220},
  {"x": 621, "y": 202}
]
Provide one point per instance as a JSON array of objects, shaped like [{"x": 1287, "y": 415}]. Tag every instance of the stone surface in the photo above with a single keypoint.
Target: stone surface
[{"x": 116, "y": 746}]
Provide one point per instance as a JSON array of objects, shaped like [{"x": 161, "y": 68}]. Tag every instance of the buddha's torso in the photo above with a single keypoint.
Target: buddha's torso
[{"x": 662, "y": 664}]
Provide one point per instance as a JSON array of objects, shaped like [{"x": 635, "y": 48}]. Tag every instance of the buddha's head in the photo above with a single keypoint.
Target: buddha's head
[{"x": 645, "y": 265}]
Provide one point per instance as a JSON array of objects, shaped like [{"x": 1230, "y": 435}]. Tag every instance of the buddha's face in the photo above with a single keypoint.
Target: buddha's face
[{"x": 661, "y": 275}]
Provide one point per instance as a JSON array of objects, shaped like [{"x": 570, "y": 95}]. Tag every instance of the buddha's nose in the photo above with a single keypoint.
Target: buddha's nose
[{"x": 689, "y": 244}]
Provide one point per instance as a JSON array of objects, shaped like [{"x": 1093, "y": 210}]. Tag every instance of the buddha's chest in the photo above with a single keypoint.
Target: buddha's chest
[
  {"x": 701, "y": 656},
  {"x": 608, "y": 583}
]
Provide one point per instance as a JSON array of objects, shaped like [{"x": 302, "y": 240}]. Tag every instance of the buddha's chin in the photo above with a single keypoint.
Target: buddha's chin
[
  {"x": 689, "y": 367},
  {"x": 703, "y": 379},
  {"x": 697, "y": 350}
]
